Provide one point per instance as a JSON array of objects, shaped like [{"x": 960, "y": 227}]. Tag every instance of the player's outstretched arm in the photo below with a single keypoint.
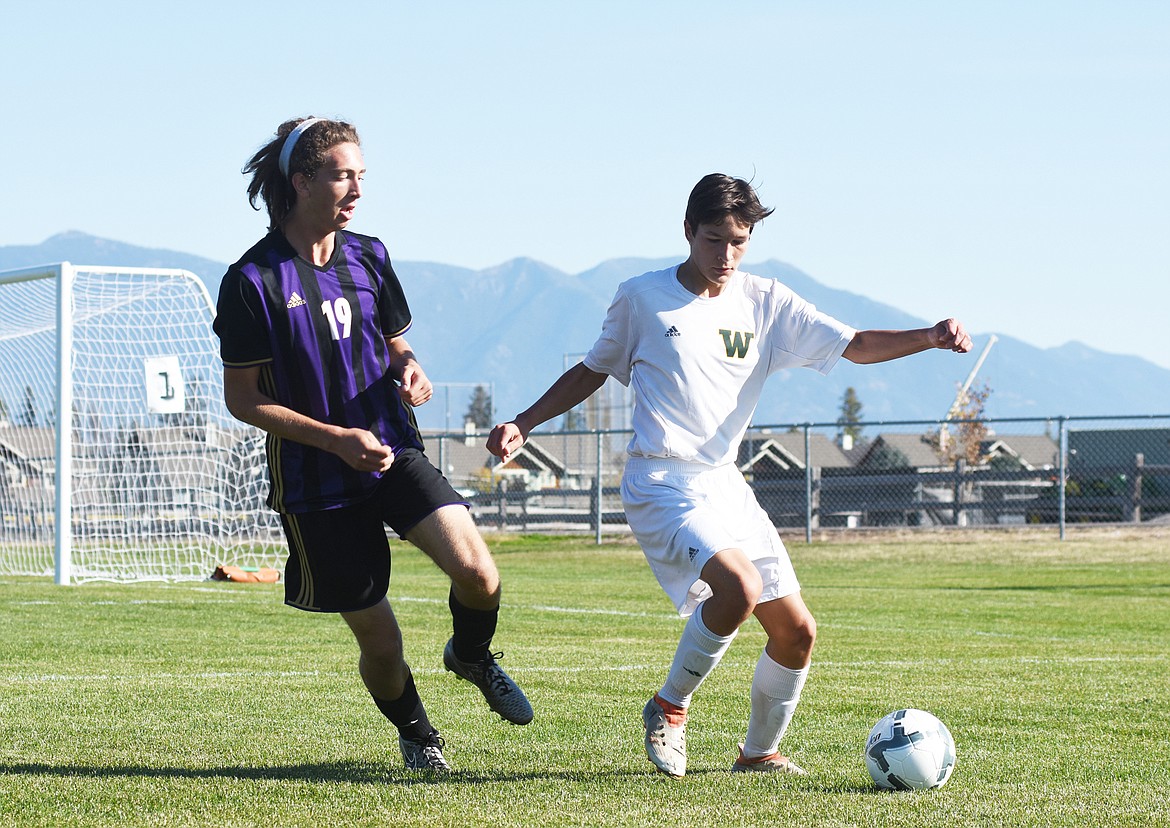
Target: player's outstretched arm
[
  {"x": 868, "y": 347},
  {"x": 573, "y": 387}
]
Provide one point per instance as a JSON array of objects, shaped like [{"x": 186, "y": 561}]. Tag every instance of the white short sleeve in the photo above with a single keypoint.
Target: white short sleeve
[
  {"x": 802, "y": 336},
  {"x": 612, "y": 353}
]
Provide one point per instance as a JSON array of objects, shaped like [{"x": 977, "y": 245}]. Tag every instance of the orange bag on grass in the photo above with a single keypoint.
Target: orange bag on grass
[{"x": 246, "y": 574}]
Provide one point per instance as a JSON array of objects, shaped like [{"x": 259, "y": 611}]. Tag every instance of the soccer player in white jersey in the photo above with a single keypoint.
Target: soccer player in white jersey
[{"x": 697, "y": 341}]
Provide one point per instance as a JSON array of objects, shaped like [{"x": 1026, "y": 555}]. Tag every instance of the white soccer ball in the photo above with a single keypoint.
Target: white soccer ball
[{"x": 910, "y": 750}]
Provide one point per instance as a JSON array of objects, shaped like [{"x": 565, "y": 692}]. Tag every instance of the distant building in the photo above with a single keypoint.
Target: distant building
[
  {"x": 1094, "y": 449},
  {"x": 27, "y": 469},
  {"x": 1034, "y": 452},
  {"x": 764, "y": 455},
  {"x": 912, "y": 451},
  {"x": 1119, "y": 474}
]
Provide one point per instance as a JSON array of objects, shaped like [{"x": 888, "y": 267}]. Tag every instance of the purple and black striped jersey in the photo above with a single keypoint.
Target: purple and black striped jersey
[{"x": 318, "y": 336}]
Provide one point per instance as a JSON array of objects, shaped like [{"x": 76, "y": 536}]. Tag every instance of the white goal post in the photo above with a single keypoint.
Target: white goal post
[{"x": 118, "y": 458}]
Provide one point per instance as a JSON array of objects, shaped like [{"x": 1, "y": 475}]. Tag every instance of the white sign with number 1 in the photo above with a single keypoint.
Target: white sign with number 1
[{"x": 164, "y": 385}]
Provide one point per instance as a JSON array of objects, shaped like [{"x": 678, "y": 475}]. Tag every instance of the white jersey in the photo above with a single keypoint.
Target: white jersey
[{"x": 698, "y": 365}]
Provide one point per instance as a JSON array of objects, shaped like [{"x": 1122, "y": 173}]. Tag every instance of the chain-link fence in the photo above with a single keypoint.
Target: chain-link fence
[{"x": 825, "y": 476}]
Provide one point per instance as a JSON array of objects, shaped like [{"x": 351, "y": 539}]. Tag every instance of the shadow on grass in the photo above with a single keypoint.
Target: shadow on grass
[{"x": 360, "y": 773}]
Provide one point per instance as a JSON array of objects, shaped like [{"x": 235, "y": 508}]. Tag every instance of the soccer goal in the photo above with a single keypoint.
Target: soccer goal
[{"x": 118, "y": 458}]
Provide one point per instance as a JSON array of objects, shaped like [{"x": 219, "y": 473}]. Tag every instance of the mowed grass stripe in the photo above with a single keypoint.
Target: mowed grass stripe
[{"x": 727, "y": 663}]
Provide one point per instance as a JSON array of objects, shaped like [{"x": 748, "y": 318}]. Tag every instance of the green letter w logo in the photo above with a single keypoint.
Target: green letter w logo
[{"x": 737, "y": 342}]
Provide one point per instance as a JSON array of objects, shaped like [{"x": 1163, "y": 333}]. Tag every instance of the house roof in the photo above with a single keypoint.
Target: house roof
[
  {"x": 460, "y": 458},
  {"x": 786, "y": 451},
  {"x": 915, "y": 447},
  {"x": 1034, "y": 451},
  {"x": 464, "y": 457},
  {"x": 29, "y": 442}
]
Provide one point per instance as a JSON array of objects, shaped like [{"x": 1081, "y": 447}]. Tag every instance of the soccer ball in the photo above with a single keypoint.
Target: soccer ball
[{"x": 910, "y": 750}]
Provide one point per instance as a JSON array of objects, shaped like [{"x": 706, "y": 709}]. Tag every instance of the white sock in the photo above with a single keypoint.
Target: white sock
[
  {"x": 699, "y": 651},
  {"x": 775, "y": 693}
]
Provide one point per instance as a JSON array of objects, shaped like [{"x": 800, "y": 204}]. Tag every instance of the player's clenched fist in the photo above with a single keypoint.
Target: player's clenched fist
[
  {"x": 505, "y": 440},
  {"x": 952, "y": 336}
]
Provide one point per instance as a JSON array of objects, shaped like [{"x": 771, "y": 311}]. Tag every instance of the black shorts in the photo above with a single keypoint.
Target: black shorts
[{"x": 339, "y": 559}]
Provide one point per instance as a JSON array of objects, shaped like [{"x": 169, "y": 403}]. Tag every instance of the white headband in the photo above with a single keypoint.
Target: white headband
[{"x": 291, "y": 141}]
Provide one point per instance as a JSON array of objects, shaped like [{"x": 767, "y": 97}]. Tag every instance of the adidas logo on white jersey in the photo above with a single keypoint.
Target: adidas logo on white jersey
[
  {"x": 295, "y": 301},
  {"x": 673, "y": 331}
]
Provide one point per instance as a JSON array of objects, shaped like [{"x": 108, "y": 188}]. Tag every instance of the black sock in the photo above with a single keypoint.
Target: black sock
[
  {"x": 407, "y": 713},
  {"x": 473, "y": 630}
]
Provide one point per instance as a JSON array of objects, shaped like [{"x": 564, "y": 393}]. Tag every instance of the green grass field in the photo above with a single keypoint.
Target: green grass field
[{"x": 213, "y": 704}]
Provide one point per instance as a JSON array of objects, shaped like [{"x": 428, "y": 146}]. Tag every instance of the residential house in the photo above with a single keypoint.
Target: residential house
[
  {"x": 27, "y": 469},
  {"x": 1118, "y": 474}
]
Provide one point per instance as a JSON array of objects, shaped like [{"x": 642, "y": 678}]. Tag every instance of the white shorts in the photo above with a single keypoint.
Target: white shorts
[{"x": 683, "y": 513}]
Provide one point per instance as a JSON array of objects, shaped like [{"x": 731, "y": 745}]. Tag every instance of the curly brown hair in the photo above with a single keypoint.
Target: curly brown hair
[{"x": 271, "y": 185}]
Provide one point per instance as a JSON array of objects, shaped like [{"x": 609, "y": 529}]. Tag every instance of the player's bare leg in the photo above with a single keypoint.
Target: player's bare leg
[
  {"x": 379, "y": 640},
  {"x": 387, "y": 676},
  {"x": 735, "y": 588},
  {"x": 449, "y": 537}
]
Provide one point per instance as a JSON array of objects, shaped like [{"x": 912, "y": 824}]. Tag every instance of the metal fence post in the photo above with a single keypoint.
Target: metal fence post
[
  {"x": 1062, "y": 471},
  {"x": 1135, "y": 489},
  {"x": 815, "y": 499},
  {"x": 808, "y": 483},
  {"x": 959, "y": 493},
  {"x": 599, "y": 511}
]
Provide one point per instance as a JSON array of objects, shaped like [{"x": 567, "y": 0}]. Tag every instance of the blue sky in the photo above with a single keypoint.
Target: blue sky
[{"x": 1004, "y": 162}]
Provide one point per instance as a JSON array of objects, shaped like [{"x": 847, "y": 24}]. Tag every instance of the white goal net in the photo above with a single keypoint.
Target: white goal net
[{"x": 118, "y": 458}]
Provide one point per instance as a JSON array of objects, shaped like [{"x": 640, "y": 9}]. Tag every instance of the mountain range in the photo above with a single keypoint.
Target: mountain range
[{"x": 515, "y": 327}]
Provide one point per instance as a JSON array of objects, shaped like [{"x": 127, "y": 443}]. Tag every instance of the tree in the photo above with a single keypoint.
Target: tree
[
  {"x": 971, "y": 427},
  {"x": 29, "y": 417},
  {"x": 847, "y": 423},
  {"x": 885, "y": 458},
  {"x": 479, "y": 411}
]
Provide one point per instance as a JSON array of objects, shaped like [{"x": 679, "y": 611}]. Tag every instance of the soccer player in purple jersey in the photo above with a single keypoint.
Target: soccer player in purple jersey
[{"x": 311, "y": 323}]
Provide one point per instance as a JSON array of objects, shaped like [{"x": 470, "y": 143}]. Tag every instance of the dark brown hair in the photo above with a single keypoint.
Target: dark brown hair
[
  {"x": 271, "y": 185},
  {"x": 718, "y": 196}
]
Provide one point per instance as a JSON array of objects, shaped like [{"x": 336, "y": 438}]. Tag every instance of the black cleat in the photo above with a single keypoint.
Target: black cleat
[{"x": 503, "y": 695}]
